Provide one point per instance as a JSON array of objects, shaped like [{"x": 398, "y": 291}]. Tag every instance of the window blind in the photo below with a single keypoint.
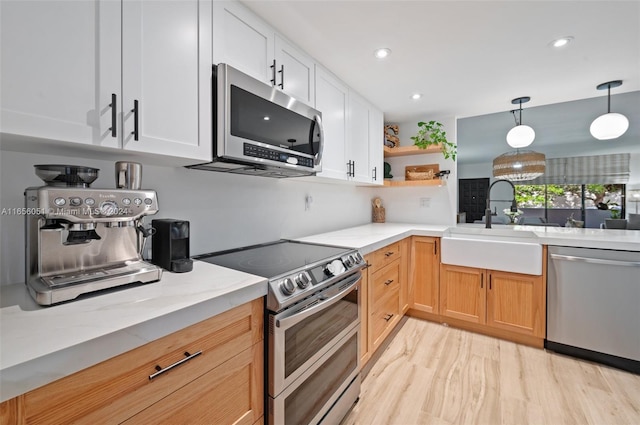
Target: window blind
[{"x": 600, "y": 169}]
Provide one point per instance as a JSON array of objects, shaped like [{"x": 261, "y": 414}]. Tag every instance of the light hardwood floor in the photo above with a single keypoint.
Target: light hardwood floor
[{"x": 433, "y": 374}]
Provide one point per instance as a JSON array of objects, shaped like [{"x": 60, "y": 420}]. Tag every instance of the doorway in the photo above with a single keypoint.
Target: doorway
[{"x": 472, "y": 198}]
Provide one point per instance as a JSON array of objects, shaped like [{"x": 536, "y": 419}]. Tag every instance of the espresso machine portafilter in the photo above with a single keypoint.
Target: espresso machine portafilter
[{"x": 82, "y": 239}]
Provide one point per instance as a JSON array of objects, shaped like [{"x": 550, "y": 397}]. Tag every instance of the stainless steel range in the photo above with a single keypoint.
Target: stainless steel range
[{"x": 313, "y": 324}]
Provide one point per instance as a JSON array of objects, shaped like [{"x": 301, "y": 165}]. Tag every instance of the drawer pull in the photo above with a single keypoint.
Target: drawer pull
[
  {"x": 388, "y": 254},
  {"x": 389, "y": 282},
  {"x": 388, "y": 317},
  {"x": 160, "y": 370}
]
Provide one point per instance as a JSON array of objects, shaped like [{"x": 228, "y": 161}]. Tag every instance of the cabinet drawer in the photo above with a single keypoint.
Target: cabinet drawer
[
  {"x": 384, "y": 256},
  {"x": 385, "y": 281},
  {"x": 228, "y": 394},
  {"x": 116, "y": 389},
  {"x": 385, "y": 313}
]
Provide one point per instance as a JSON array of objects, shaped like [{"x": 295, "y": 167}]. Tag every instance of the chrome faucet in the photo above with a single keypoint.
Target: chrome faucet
[{"x": 487, "y": 212}]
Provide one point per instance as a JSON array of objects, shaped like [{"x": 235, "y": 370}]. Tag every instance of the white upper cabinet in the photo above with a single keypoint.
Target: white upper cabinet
[
  {"x": 166, "y": 77},
  {"x": 359, "y": 125},
  {"x": 376, "y": 143},
  {"x": 60, "y": 65},
  {"x": 72, "y": 71},
  {"x": 331, "y": 100},
  {"x": 294, "y": 71},
  {"x": 243, "y": 40}
]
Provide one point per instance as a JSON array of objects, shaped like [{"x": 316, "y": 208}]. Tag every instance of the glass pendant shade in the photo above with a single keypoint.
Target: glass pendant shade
[
  {"x": 520, "y": 136},
  {"x": 609, "y": 126}
]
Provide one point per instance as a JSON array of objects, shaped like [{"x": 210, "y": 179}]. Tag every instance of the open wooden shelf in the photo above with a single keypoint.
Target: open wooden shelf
[
  {"x": 399, "y": 183},
  {"x": 409, "y": 150}
]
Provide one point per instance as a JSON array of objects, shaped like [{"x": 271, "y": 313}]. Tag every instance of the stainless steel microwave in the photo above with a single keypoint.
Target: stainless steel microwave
[{"x": 260, "y": 130}]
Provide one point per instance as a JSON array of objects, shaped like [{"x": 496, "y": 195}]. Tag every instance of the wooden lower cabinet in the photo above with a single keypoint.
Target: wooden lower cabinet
[
  {"x": 507, "y": 305},
  {"x": 365, "y": 352},
  {"x": 385, "y": 302},
  {"x": 223, "y": 384},
  {"x": 385, "y": 295},
  {"x": 424, "y": 274},
  {"x": 516, "y": 303},
  {"x": 462, "y": 293}
]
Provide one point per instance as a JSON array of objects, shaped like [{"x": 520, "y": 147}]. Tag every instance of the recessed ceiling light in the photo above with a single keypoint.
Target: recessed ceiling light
[
  {"x": 561, "y": 42},
  {"x": 416, "y": 96},
  {"x": 266, "y": 118},
  {"x": 382, "y": 53}
]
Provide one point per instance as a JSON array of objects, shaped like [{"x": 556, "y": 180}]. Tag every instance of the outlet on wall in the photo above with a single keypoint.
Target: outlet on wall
[{"x": 425, "y": 202}]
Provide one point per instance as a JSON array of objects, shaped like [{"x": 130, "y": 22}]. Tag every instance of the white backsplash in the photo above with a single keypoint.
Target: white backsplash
[{"x": 225, "y": 211}]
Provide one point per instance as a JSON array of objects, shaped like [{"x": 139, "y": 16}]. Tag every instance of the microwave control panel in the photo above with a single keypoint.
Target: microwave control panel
[{"x": 274, "y": 155}]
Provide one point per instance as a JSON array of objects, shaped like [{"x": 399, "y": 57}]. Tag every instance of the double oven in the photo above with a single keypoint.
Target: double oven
[{"x": 312, "y": 321}]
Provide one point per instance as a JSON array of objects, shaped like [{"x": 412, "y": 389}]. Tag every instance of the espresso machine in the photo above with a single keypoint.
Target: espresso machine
[{"x": 79, "y": 239}]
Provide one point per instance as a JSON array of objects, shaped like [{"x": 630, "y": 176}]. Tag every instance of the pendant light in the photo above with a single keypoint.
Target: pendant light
[
  {"x": 520, "y": 165},
  {"x": 521, "y": 135},
  {"x": 610, "y": 125}
]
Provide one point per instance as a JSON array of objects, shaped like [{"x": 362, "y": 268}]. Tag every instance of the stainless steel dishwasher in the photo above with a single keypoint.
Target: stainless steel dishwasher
[{"x": 593, "y": 305}]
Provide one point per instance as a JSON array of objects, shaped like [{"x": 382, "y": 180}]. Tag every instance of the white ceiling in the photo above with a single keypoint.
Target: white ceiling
[{"x": 469, "y": 58}]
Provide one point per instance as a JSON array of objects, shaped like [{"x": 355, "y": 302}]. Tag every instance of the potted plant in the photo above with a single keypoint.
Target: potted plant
[
  {"x": 431, "y": 133},
  {"x": 615, "y": 222}
]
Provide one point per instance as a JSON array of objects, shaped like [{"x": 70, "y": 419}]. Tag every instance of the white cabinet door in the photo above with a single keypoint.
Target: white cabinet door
[
  {"x": 295, "y": 71},
  {"x": 359, "y": 125},
  {"x": 376, "y": 143},
  {"x": 331, "y": 100},
  {"x": 166, "y": 72},
  {"x": 242, "y": 40},
  {"x": 60, "y": 64}
]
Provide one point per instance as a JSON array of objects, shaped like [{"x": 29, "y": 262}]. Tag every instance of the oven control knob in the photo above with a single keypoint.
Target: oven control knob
[
  {"x": 302, "y": 280},
  {"x": 348, "y": 261},
  {"x": 287, "y": 286},
  {"x": 358, "y": 257}
]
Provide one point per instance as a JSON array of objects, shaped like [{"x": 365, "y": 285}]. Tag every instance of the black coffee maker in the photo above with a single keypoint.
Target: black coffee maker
[{"x": 170, "y": 249}]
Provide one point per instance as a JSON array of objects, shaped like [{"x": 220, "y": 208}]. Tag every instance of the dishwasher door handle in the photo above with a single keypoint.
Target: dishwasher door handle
[{"x": 595, "y": 260}]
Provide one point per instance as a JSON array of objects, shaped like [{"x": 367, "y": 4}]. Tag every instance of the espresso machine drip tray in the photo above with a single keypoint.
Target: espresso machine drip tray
[{"x": 64, "y": 287}]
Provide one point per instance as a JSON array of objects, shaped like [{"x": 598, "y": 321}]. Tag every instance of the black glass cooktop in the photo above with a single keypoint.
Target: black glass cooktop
[{"x": 273, "y": 259}]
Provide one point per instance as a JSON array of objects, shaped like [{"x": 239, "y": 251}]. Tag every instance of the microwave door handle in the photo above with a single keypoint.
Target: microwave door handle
[
  {"x": 318, "y": 121},
  {"x": 288, "y": 321}
]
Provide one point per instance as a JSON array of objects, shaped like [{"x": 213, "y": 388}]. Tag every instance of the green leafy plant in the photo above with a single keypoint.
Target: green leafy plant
[
  {"x": 431, "y": 133},
  {"x": 615, "y": 214}
]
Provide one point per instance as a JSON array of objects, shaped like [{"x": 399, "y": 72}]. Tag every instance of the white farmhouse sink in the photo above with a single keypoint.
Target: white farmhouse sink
[{"x": 495, "y": 249}]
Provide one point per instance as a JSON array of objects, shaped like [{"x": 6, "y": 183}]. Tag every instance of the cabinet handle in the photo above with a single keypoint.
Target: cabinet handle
[
  {"x": 388, "y": 317},
  {"x": 135, "y": 110},
  {"x": 375, "y": 173},
  {"x": 489, "y": 282},
  {"x": 273, "y": 73},
  {"x": 281, "y": 72},
  {"x": 349, "y": 165},
  {"x": 481, "y": 281},
  {"x": 366, "y": 266},
  {"x": 160, "y": 370},
  {"x": 435, "y": 248},
  {"x": 114, "y": 114},
  {"x": 388, "y": 254},
  {"x": 389, "y": 282}
]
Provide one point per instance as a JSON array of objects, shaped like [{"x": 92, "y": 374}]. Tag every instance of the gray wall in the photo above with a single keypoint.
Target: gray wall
[{"x": 225, "y": 211}]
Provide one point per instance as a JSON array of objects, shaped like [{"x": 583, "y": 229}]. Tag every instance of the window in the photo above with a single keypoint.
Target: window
[{"x": 556, "y": 203}]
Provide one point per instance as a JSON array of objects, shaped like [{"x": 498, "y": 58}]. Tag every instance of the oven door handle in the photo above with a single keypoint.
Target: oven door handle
[{"x": 298, "y": 317}]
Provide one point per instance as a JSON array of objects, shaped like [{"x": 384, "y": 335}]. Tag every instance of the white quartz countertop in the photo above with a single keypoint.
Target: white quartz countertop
[
  {"x": 370, "y": 237},
  {"x": 39, "y": 345}
]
